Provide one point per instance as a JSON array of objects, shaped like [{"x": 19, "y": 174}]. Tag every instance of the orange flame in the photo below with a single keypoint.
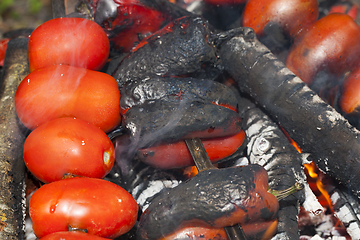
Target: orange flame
[
  {"x": 190, "y": 171},
  {"x": 314, "y": 175}
]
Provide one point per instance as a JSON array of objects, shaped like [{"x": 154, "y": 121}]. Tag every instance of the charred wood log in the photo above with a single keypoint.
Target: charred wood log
[
  {"x": 13, "y": 134},
  {"x": 318, "y": 128},
  {"x": 346, "y": 208},
  {"x": 270, "y": 148}
]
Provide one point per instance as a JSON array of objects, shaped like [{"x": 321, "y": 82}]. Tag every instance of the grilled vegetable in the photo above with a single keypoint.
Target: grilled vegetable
[
  {"x": 329, "y": 46},
  {"x": 73, "y": 41},
  {"x": 176, "y": 155},
  {"x": 62, "y": 90},
  {"x": 169, "y": 109},
  {"x": 93, "y": 205},
  {"x": 180, "y": 48},
  {"x": 73, "y": 235},
  {"x": 213, "y": 198},
  {"x": 68, "y": 146},
  {"x": 127, "y": 22}
]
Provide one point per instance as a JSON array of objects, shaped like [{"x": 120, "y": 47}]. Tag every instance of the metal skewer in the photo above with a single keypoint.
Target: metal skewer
[{"x": 202, "y": 162}]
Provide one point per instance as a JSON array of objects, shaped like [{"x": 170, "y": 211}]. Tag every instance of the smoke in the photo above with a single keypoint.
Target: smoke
[{"x": 126, "y": 146}]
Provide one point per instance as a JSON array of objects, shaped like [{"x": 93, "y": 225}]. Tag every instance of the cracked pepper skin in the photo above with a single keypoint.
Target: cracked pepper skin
[{"x": 213, "y": 198}]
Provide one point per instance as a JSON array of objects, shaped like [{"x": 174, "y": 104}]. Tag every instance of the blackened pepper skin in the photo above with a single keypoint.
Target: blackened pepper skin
[
  {"x": 137, "y": 92},
  {"x": 215, "y": 197},
  {"x": 168, "y": 121},
  {"x": 178, "y": 49}
]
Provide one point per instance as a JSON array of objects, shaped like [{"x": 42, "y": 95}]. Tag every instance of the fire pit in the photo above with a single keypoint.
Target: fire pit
[{"x": 272, "y": 103}]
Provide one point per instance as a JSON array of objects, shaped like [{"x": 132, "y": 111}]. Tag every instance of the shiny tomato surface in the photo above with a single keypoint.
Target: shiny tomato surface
[
  {"x": 330, "y": 45},
  {"x": 73, "y": 235},
  {"x": 177, "y": 155},
  {"x": 68, "y": 146},
  {"x": 290, "y": 15},
  {"x": 94, "y": 205},
  {"x": 73, "y": 41},
  {"x": 65, "y": 91},
  {"x": 3, "y": 47},
  {"x": 133, "y": 22},
  {"x": 349, "y": 99}
]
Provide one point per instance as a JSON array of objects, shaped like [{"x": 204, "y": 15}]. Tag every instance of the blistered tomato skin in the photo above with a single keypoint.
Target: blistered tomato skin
[
  {"x": 68, "y": 146},
  {"x": 72, "y": 41},
  {"x": 95, "y": 205},
  {"x": 65, "y": 91},
  {"x": 329, "y": 45},
  {"x": 290, "y": 15}
]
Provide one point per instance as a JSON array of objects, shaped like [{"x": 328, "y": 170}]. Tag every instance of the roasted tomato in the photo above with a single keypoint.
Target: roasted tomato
[
  {"x": 177, "y": 155},
  {"x": 256, "y": 230},
  {"x": 73, "y": 235},
  {"x": 132, "y": 22},
  {"x": 73, "y": 41},
  {"x": 288, "y": 16},
  {"x": 224, "y": 2},
  {"x": 329, "y": 46},
  {"x": 94, "y": 205},
  {"x": 3, "y": 46},
  {"x": 61, "y": 90},
  {"x": 68, "y": 146},
  {"x": 347, "y": 7},
  {"x": 349, "y": 100}
]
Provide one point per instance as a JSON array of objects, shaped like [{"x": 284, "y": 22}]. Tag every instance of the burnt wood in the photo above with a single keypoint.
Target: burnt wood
[
  {"x": 13, "y": 134},
  {"x": 317, "y": 127},
  {"x": 269, "y": 147}
]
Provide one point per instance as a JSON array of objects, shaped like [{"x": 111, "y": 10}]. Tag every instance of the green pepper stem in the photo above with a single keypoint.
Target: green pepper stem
[{"x": 281, "y": 194}]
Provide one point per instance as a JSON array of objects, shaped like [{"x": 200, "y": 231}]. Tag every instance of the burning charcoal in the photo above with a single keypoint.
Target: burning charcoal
[
  {"x": 315, "y": 126},
  {"x": 270, "y": 148},
  {"x": 347, "y": 209},
  {"x": 180, "y": 48},
  {"x": 213, "y": 198},
  {"x": 13, "y": 134}
]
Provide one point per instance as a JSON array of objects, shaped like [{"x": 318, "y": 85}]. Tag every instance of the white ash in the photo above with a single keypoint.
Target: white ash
[{"x": 311, "y": 203}]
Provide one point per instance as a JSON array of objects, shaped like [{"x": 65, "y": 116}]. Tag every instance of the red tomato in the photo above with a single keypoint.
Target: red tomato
[
  {"x": 73, "y": 41},
  {"x": 224, "y": 2},
  {"x": 61, "y": 90},
  {"x": 3, "y": 47},
  {"x": 347, "y": 7},
  {"x": 136, "y": 20},
  {"x": 349, "y": 99},
  {"x": 73, "y": 235},
  {"x": 177, "y": 155},
  {"x": 329, "y": 45},
  {"x": 98, "y": 206},
  {"x": 68, "y": 146},
  {"x": 291, "y": 15}
]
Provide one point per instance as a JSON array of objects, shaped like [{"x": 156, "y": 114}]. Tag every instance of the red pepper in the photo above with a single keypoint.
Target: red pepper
[{"x": 177, "y": 155}]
